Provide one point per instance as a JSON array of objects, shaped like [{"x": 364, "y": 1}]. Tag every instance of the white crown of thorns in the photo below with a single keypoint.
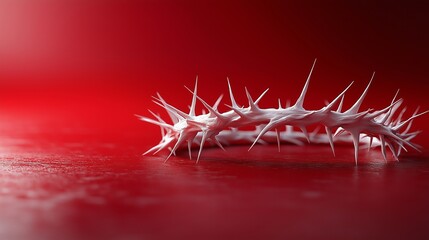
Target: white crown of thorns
[{"x": 374, "y": 127}]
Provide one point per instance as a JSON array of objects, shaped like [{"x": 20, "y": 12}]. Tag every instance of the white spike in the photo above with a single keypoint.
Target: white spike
[
  {"x": 151, "y": 149},
  {"x": 393, "y": 151},
  {"x": 172, "y": 114},
  {"x": 216, "y": 141},
  {"x": 339, "y": 97},
  {"x": 392, "y": 109},
  {"x": 340, "y": 106},
  {"x": 206, "y": 105},
  {"x": 267, "y": 127},
  {"x": 339, "y": 131},
  {"x": 170, "y": 109},
  {"x": 399, "y": 118},
  {"x": 370, "y": 143},
  {"x": 300, "y": 101},
  {"x": 252, "y": 104},
  {"x": 180, "y": 140},
  {"x": 408, "y": 127},
  {"x": 260, "y": 97},
  {"x": 278, "y": 139},
  {"x": 149, "y": 120},
  {"x": 314, "y": 133},
  {"x": 217, "y": 102},
  {"x": 409, "y": 119},
  {"x": 355, "y": 108},
  {"x": 231, "y": 95},
  {"x": 355, "y": 138},
  {"x": 305, "y": 132},
  {"x": 203, "y": 140},
  {"x": 194, "y": 99},
  {"x": 383, "y": 147},
  {"x": 189, "y": 149},
  {"x": 331, "y": 141},
  {"x": 159, "y": 120},
  {"x": 239, "y": 113}
]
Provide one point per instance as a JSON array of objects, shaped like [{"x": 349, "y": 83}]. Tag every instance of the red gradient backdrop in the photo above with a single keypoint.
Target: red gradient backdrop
[{"x": 73, "y": 74}]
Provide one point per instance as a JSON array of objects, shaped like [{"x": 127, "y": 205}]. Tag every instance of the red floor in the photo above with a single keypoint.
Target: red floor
[{"x": 59, "y": 182}]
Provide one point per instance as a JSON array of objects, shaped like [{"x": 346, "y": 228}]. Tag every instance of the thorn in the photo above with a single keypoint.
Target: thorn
[
  {"x": 170, "y": 149},
  {"x": 278, "y": 139},
  {"x": 399, "y": 118},
  {"x": 305, "y": 132},
  {"x": 160, "y": 148},
  {"x": 253, "y": 144},
  {"x": 172, "y": 111},
  {"x": 355, "y": 137},
  {"x": 159, "y": 120},
  {"x": 392, "y": 110},
  {"x": 189, "y": 149},
  {"x": 370, "y": 143},
  {"x": 260, "y": 97},
  {"x": 194, "y": 99},
  {"x": 203, "y": 139},
  {"x": 340, "y": 106},
  {"x": 339, "y": 97},
  {"x": 217, "y": 102},
  {"x": 355, "y": 108},
  {"x": 393, "y": 151},
  {"x": 408, "y": 127},
  {"x": 267, "y": 127},
  {"x": 387, "y": 111},
  {"x": 231, "y": 95},
  {"x": 218, "y": 143},
  {"x": 280, "y": 104},
  {"x": 399, "y": 148},
  {"x": 156, "y": 116},
  {"x": 152, "y": 149},
  {"x": 314, "y": 132},
  {"x": 252, "y": 104},
  {"x": 176, "y": 113},
  {"x": 300, "y": 101},
  {"x": 180, "y": 140},
  {"x": 242, "y": 115},
  {"x": 409, "y": 119},
  {"x": 405, "y": 141},
  {"x": 331, "y": 141},
  {"x": 339, "y": 131},
  {"x": 383, "y": 147},
  {"x": 149, "y": 120},
  {"x": 206, "y": 105}
]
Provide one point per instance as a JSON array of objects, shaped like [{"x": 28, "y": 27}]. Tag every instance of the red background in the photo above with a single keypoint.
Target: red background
[{"x": 73, "y": 73}]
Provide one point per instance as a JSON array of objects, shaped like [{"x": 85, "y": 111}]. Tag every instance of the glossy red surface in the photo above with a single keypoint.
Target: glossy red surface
[
  {"x": 73, "y": 73},
  {"x": 76, "y": 184}
]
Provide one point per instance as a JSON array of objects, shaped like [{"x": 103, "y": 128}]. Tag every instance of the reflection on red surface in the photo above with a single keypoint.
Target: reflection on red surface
[
  {"x": 70, "y": 189},
  {"x": 74, "y": 73},
  {"x": 86, "y": 181}
]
